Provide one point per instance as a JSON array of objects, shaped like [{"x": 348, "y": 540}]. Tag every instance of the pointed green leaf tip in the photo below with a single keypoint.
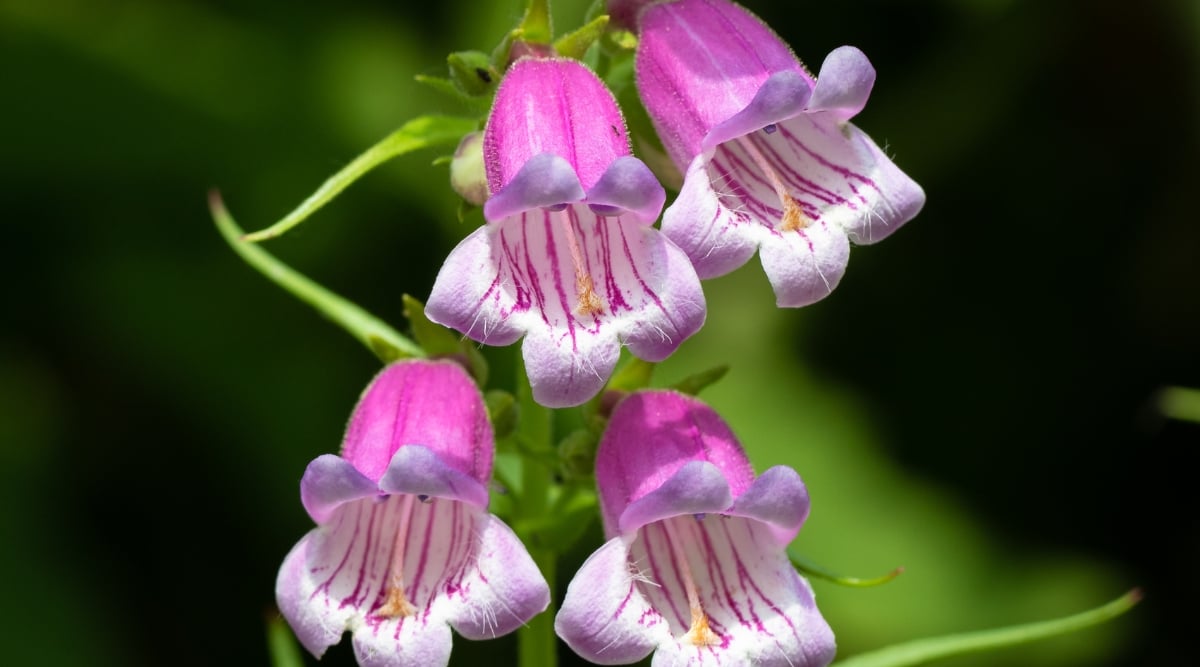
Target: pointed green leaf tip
[
  {"x": 535, "y": 27},
  {"x": 418, "y": 133},
  {"x": 437, "y": 340},
  {"x": 698, "y": 382},
  {"x": 384, "y": 341},
  {"x": 575, "y": 44},
  {"x": 923, "y": 651},
  {"x": 813, "y": 570}
]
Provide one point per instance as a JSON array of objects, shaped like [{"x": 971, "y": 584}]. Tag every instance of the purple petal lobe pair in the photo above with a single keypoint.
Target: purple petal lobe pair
[
  {"x": 568, "y": 258},
  {"x": 404, "y": 548},
  {"x": 771, "y": 161},
  {"x": 695, "y": 568}
]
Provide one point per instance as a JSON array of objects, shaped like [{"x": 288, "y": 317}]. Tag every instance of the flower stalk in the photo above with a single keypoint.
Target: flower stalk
[{"x": 380, "y": 338}]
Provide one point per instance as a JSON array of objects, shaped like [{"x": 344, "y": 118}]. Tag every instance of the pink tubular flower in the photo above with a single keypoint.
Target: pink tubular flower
[
  {"x": 404, "y": 547},
  {"x": 695, "y": 568},
  {"x": 771, "y": 161},
  {"x": 568, "y": 258}
]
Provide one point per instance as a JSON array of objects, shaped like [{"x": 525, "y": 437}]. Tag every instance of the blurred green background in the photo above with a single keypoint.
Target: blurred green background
[{"x": 975, "y": 402}]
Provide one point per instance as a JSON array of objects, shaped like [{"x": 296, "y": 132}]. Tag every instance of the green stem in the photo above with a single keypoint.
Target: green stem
[
  {"x": 922, "y": 651},
  {"x": 812, "y": 570},
  {"x": 537, "y": 645},
  {"x": 422, "y": 132},
  {"x": 387, "y": 344}
]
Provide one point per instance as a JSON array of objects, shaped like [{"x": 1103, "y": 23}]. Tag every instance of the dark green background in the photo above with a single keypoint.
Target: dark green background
[{"x": 975, "y": 401}]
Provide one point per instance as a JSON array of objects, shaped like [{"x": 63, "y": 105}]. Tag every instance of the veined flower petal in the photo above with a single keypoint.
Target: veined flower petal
[
  {"x": 758, "y": 611},
  {"x": 697, "y": 487},
  {"x": 804, "y": 265},
  {"x": 771, "y": 161},
  {"x": 330, "y": 481},
  {"x": 696, "y": 567},
  {"x": 417, "y": 471},
  {"x": 605, "y": 617},
  {"x": 777, "y": 498},
  {"x": 408, "y": 643},
  {"x": 337, "y": 578},
  {"x": 845, "y": 84},
  {"x": 546, "y": 181},
  {"x": 699, "y": 62},
  {"x": 687, "y": 434},
  {"x": 556, "y": 106},
  {"x": 628, "y": 186},
  {"x": 502, "y": 589},
  {"x": 578, "y": 283},
  {"x": 782, "y": 96},
  {"x": 403, "y": 553},
  {"x": 569, "y": 257},
  {"x": 429, "y": 402}
]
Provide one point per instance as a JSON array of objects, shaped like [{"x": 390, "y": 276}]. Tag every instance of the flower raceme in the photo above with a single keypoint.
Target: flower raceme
[
  {"x": 770, "y": 160},
  {"x": 695, "y": 569},
  {"x": 568, "y": 257},
  {"x": 404, "y": 548}
]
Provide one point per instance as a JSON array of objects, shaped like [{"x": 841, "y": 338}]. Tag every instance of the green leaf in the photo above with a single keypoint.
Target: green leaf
[
  {"x": 418, "y": 133},
  {"x": 697, "y": 382},
  {"x": 575, "y": 44},
  {"x": 1180, "y": 403},
  {"x": 922, "y": 651},
  {"x": 816, "y": 571},
  {"x": 282, "y": 644},
  {"x": 479, "y": 105},
  {"x": 384, "y": 341}
]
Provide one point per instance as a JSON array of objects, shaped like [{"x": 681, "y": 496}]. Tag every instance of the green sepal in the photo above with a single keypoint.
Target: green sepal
[
  {"x": 815, "y": 571},
  {"x": 476, "y": 105},
  {"x": 535, "y": 25},
  {"x": 923, "y": 651},
  {"x": 632, "y": 375},
  {"x": 575, "y": 44},
  {"x": 616, "y": 42},
  {"x": 418, "y": 133},
  {"x": 577, "y": 455},
  {"x": 464, "y": 208},
  {"x": 568, "y": 518},
  {"x": 385, "y": 342},
  {"x": 473, "y": 73},
  {"x": 437, "y": 340},
  {"x": 698, "y": 382},
  {"x": 385, "y": 350},
  {"x": 503, "y": 411}
]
